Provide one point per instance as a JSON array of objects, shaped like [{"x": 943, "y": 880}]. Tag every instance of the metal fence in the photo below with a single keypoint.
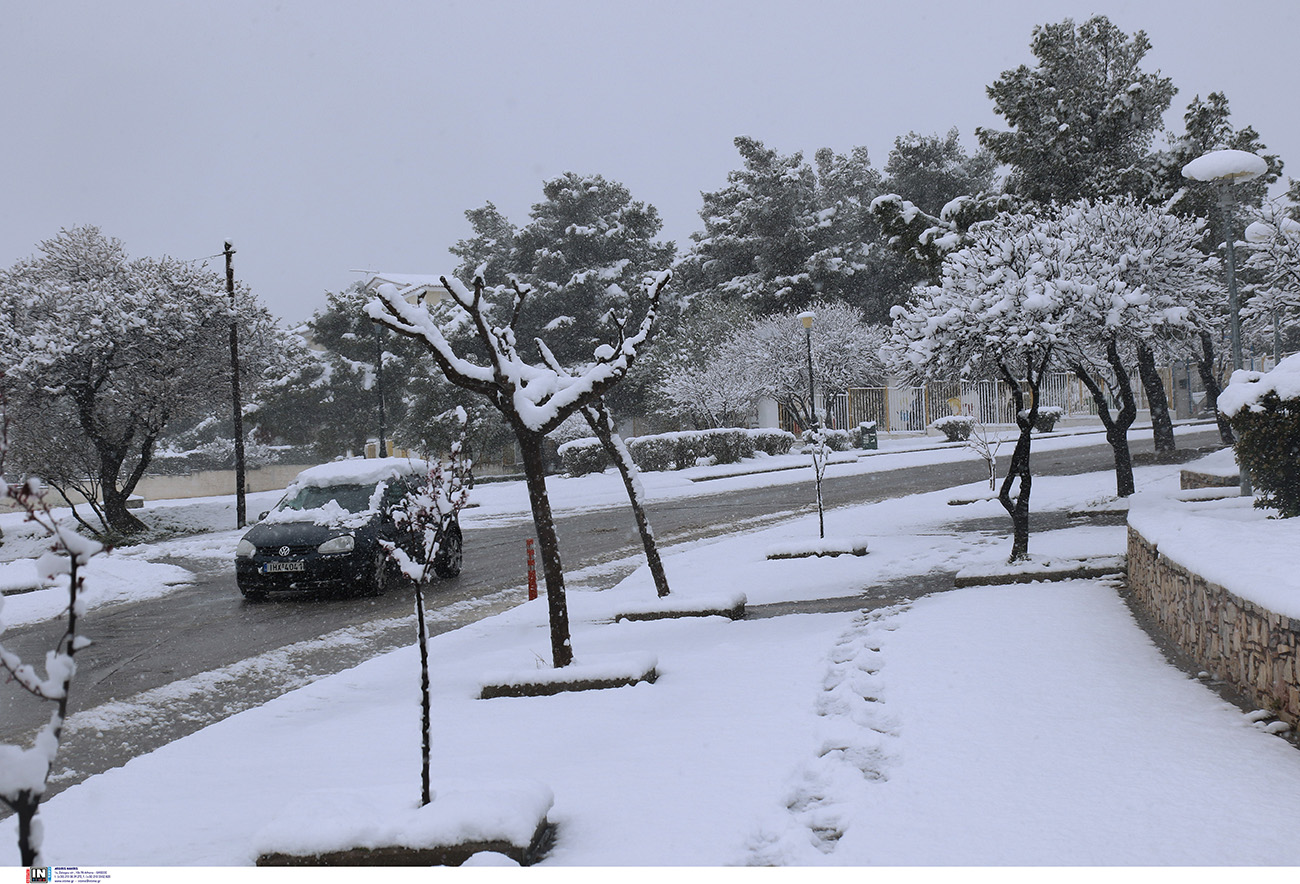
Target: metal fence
[{"x": 911, "y": 409}]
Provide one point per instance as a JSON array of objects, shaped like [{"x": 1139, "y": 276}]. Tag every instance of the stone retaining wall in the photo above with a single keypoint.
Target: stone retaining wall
[
  {"x": 1191, "y": 479},
  {"x": 1235, "y": 640}
]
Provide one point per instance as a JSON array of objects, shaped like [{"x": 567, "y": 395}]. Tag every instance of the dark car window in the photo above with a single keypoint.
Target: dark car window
[{"x": 353, "y": 498}]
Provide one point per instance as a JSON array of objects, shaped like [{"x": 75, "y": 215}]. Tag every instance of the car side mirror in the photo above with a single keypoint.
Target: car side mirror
[{"x": 262, "y": 516}]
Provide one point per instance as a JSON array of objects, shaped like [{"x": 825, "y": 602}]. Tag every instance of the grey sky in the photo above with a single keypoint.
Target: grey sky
[{"x": 327, "y": 136}]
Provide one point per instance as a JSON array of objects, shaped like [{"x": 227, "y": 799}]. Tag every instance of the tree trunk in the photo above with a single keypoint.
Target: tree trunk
[
  {"x": 1162, "y": 427},
  {"x": 1116, "y": 426},
  {"x": 116, "y": 511},
  {"x": 1205, "y": 366},
  {"x": 530, "y": 447},
  {"x": 598, "y": 418},
  {"x": 426, "y": 711},
  {"x": 1018, "y": 469}
]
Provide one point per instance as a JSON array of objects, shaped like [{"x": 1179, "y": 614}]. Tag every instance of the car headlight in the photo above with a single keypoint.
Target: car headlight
[
  {"x": 245, "y": 549},
  {"x": 341, "y": 544}
]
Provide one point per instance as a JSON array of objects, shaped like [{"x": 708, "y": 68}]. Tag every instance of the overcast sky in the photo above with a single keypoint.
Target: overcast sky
[{"x": 322, "y": 137}]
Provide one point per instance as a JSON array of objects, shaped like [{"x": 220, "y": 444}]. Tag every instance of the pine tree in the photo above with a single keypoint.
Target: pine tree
[
  {"x": 1082, "y": 119},
  {"x": 930, "y": 171}
]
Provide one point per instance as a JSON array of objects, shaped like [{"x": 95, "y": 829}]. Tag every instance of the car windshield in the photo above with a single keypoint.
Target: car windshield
[{"x": 353, "y": 498}]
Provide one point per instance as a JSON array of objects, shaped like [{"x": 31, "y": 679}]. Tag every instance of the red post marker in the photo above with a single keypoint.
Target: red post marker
[{"x": 532, "y": 572}]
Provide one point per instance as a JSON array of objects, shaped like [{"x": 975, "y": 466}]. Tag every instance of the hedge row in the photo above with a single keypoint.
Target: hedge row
[{"x": 677, "y": 451}]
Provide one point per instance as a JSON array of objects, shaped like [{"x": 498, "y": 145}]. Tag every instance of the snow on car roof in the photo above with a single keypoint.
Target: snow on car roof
[{"x": 360, "y": 471}]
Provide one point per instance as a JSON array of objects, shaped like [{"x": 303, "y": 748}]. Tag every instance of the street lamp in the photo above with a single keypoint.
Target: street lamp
[
  {"x": 820, "y": 454},
  {"x": 807, "y": 319},
  {"x": 1222, "y": 168}
]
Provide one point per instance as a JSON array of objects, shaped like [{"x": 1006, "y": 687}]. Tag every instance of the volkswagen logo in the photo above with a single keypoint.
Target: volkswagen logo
[{"x": 284, "y": 550}]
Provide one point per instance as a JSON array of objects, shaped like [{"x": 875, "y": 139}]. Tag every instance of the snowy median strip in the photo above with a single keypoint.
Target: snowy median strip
[
  {"x": 378, "y": 827},
  {"x": 611, "y": 672},
  {"x": 825, "y": 546},
  {"x": 730, "y": 605},
  {"x": 1040, "y": 568}
]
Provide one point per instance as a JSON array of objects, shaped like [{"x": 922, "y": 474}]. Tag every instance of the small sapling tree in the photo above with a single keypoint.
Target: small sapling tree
[
  {"x": 986, "y": 445},
  {"x": 430, "y": 512},
  {"x": 533, "y": 398},
  {"x": 25, "y": 772}
]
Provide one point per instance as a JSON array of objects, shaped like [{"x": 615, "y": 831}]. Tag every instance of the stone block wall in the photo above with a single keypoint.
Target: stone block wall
[
  {"x": 1235, "y": 640},
  {"x": 1191, "y": 479}
]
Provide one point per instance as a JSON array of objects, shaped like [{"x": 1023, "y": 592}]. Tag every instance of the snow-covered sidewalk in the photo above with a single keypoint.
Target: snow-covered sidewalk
[{"x": 1028, "y": 724}]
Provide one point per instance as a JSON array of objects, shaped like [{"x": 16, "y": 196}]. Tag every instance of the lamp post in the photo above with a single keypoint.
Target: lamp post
[
  {"x": 807, "y": 319},
  {"x": 1223, "y": 168},
  {"x": 819, "y": 452}
]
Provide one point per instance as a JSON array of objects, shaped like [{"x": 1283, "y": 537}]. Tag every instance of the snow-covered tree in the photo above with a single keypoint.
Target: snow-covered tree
[
  {"x": 1003, "y": 308},
  {"x": 926, "y": 239},
  {"x": 1138, "y": 278},
  {"x": 1271, "y": 317},
  {"x": 931, "y": 171},
  {"x": 1207, "y": 126},
  {"x": 782, "y": 234},
  {"x": 125, "y": 347},
  {"x": 583, "y": 253},
  {"x": 768, "y": 358},
  {"x": 534, "y": 398},
  {"x": 1081, "y": 121}
]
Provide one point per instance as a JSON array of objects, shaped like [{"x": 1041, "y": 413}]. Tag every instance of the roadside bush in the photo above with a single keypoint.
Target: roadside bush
[
  {"x": 956, "y": 427},
  {"x": 1048, "y": 415},
  {"x": 839, "y": 440},
  {"x": 652, "y": 454},
  {"x": 728, "y": 445},
  {"x": 1268, "y": 445},
  {"x": 583, "y": 456},
  {"x": 773, "y": 442}
]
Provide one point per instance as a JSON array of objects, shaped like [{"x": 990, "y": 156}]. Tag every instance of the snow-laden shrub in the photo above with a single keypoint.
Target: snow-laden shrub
[
  {"x": 864, "y": 436},
  {"x": 1048, "y": 415},
  {"x": 773, "y": 442},
  {"x": 583, "y": 456},
  {"x": 687, "y": 449},
  {"x": 653, "y": 453},
  {"x": 728, "y": 445},
  {"x": 1264, "y": 410},
  {"x": 839, "y": 440},
  {"x": 956, "y": 427}
]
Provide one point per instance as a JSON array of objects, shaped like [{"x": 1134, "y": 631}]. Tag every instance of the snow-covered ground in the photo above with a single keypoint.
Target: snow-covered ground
[{"x": 1030, "y": 724}]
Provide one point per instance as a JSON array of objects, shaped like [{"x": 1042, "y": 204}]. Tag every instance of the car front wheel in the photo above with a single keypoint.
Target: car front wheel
[
  {"x": 447, "y": 560},
  {"x": 379, "y": 576}
]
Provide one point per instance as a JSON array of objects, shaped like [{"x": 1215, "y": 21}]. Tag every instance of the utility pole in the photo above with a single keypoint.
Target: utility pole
[
  {"x": 379, "y": 387},
  {"x": 241, "y": 506}
]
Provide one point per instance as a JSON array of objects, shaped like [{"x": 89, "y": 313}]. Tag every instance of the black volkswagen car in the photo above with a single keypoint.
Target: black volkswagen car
[{"x": 325, "y": 532}]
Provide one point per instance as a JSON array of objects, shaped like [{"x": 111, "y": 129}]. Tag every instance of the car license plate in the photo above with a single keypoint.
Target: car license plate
[{"x": 279, "y": 567}]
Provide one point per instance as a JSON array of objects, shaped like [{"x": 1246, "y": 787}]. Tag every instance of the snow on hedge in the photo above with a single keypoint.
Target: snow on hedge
[{"x": 1247, "y": 389}]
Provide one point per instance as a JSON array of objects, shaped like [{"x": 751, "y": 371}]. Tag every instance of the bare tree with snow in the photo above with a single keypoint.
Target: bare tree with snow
[
  {"x": 431, "y": 510},
  {"x": 25, "y": 772},
  {"x": 534, "y": 398}
]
